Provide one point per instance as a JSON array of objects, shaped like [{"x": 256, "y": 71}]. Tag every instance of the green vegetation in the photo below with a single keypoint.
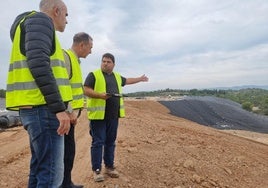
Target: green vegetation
[
  {"x": 2, "y": 93},
  {"x": 255, "y": 100}
]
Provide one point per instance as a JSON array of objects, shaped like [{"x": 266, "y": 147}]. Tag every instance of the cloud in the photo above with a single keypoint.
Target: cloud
[{"x": 176, "y": 43}]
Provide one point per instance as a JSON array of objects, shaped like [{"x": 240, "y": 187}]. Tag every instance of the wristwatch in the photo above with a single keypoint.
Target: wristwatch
[{"x": 69, "y": 109}]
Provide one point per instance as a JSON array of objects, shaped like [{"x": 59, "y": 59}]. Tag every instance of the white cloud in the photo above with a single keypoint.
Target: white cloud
[{"x": 177, "y": 43}]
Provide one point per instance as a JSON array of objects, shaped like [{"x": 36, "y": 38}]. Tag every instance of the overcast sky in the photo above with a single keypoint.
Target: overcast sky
[{"x": 178, "y": 44}]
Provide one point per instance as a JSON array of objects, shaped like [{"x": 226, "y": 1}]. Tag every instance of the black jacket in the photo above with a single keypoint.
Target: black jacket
[{"x": 38, "y": 44}]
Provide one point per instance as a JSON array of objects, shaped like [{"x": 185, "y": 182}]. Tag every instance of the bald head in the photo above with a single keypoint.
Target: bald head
[
  {"x": 48, "y": 5},
  {"x": 57, "y": 11}
]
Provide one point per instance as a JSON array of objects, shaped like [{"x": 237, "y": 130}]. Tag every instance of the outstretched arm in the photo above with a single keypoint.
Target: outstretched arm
[{"x": 142, "y": 78}]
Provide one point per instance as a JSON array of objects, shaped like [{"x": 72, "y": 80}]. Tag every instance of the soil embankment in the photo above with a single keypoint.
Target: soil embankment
[{"x": 154, "y": 150}]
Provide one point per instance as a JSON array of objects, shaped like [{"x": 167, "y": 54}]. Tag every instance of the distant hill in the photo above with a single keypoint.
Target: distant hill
[{"x": 243, "y": 87}]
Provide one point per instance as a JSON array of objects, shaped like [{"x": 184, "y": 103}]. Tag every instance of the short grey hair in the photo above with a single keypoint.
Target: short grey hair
[{"x": 81, "y": 37}]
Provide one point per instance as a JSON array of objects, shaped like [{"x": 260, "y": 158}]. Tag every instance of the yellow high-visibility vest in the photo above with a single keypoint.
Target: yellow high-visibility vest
[
  {"x": 96, "y": 107},
  {"x": 76, "y": 81},
  {"x": 21, "y": 87}
]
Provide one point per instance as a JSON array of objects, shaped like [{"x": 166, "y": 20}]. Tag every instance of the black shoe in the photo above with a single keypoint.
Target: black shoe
[{"x": 76, "y": 186}]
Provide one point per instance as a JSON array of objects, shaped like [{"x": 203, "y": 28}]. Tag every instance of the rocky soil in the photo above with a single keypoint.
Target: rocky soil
[{"x": 155, "y": 150}]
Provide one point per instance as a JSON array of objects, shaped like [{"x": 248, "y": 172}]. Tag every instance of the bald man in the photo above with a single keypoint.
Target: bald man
[{"x": 38, "y": 87}]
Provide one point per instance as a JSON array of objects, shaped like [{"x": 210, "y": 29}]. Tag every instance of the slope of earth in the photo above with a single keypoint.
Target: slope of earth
[
  {"x": 218, "y": 113},
  {"x": 154, "y": 150}
]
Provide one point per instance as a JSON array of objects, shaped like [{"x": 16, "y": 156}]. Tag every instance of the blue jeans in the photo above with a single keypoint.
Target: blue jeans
[
  {"x": 103, "y": 134},
  {"x": 47, "y": 147}
]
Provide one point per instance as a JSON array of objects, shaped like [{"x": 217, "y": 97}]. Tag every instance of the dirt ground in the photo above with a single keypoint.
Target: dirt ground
[{"x": 155, "y": 150}]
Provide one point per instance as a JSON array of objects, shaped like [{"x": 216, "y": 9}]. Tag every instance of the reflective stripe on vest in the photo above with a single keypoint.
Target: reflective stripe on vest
[
  {"x": 21, "y": 87},
  {"x": 76, "y": 81},
  {"x": 96, "y": 107}
]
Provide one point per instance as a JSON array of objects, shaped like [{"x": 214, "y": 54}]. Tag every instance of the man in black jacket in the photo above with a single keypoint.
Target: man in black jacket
[{"x": 39, "y": 88}]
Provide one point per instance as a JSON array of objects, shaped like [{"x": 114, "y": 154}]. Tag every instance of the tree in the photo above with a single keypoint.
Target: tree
[
  {"x": 247, "y": 106},
  {"x": 2, "y": 93}
]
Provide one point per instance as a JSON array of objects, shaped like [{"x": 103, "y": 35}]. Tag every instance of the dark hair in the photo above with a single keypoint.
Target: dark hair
[
  {"x": 109, "y": 55},
  {"x": 81, "y": 37}
]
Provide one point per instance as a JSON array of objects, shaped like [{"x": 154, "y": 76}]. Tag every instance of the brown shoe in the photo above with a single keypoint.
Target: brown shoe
[
  {"x": 98, "y": 177},
  {"x": 112, "y": 172}
]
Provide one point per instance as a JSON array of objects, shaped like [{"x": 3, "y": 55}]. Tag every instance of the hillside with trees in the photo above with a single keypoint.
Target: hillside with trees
[{"x": 2, "y": 93}]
